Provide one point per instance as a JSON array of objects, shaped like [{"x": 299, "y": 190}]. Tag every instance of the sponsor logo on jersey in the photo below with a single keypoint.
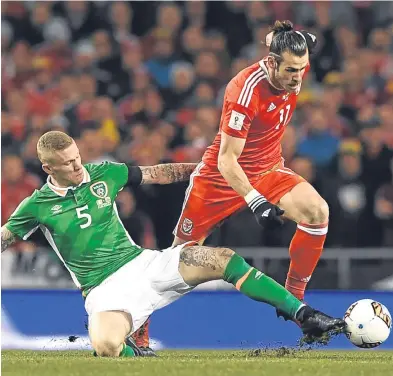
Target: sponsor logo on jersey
[
  {"x": 104, "y": 202},
  {"x": 56, "y": 209},
  {"x": 186, "y": 227},
  {"x": 236, "y": 121},
  {"x": 99, "y": 189},
  {"x": 271, "y": 107}
]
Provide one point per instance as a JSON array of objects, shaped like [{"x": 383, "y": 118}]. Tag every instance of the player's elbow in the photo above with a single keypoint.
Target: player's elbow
[{"x": 220, "y": 163}]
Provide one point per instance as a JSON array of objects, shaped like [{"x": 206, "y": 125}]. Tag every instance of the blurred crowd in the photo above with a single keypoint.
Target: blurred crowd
[{"x": 143, "y": 82}]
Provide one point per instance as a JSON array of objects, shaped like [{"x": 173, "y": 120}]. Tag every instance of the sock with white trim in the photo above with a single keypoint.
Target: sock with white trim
[{"x": 305, "y": 251}]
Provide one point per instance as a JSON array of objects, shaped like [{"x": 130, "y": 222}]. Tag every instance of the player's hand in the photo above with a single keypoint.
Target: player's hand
[
  {"x": 268, "y": 214},
  {"x": 265, "y": 212}
]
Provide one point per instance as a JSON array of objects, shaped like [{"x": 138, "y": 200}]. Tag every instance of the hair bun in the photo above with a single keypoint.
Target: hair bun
[{"x": 280, "y": 26}]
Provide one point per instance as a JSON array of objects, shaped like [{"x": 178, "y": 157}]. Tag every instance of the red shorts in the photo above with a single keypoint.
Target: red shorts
[{"x": 209, "y": 200}]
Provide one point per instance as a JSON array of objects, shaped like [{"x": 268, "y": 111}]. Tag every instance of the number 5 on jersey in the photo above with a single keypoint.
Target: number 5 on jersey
[
  {"x": 284, "y": 120},
  {"x": 85, "y": 216}
]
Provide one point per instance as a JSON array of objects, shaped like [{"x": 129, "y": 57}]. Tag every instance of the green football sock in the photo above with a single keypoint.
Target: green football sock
[
  {"x": 126, "y": 352},
  {"x": 259, "y": 286}
]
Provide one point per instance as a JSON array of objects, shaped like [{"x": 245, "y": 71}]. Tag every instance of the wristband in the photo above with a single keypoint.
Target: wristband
[{"x": 254, "y": 199}]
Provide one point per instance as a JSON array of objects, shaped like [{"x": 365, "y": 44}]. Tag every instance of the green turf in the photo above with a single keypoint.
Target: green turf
[{"x": 204, "y": 363}]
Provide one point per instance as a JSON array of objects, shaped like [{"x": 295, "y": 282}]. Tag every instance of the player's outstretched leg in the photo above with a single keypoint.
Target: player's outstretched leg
[{"x": 200, "y": 264}]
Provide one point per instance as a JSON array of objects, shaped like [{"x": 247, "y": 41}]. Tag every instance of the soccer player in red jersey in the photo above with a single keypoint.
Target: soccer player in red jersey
[{"x": 244, "y": 165}]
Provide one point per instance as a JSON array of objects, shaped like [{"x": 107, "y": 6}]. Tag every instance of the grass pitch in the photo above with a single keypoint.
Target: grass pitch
[{"x": 280, "y": 362}]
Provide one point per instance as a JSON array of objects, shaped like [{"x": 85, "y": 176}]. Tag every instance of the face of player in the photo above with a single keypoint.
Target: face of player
[
  {"x": 290, "y": 72},
  {"x": 65, "y": 167}
]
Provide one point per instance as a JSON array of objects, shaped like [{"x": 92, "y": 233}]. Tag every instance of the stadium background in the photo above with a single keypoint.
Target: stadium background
[{"x": 143, "y": 82}]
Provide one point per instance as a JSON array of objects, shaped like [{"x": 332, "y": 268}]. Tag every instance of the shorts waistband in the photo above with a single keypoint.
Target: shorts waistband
[
  {"x": 274, "y": 168},
  {"x": 212, "y": 171}
]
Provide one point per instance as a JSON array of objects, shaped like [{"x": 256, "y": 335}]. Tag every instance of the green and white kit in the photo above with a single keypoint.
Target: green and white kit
[{"x": 83, "y": 227}]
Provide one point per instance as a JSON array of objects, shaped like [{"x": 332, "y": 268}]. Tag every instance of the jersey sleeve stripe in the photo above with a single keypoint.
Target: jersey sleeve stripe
[
  {"x": 246, "y": 84},
  {"x": 25, "y": 237},
  {"x": 257, "y": 80}
]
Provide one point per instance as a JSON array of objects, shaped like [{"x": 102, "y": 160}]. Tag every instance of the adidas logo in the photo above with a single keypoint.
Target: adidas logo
[
  {"x": 271, "y": 107},
  {"x": 266, "y": 213}
]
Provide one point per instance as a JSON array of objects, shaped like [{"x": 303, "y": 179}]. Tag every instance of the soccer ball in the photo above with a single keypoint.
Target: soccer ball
[{"x": 368, "y": 323}]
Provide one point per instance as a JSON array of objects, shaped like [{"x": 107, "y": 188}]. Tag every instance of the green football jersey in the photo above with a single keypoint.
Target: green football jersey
[{"x": 81, "y": 224}]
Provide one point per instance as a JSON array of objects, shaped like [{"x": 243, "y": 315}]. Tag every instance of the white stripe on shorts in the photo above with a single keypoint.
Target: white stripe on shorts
[{"x": 195, "y": 173}]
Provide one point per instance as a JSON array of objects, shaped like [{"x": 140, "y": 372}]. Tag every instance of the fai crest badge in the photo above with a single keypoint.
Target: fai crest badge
[
  {"x": 99, "y": 189},
  {"x": 187, "y": 226}
]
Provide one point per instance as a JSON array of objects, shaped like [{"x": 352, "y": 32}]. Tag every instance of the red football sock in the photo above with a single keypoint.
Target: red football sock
[
  {"x": 305, "y": 250},
  {"x": 141, "y": 336}
]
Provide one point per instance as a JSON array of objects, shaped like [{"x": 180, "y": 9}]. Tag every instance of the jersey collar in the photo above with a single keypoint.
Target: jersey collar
[
  {"x": 63, "y": 191},
  {"x": 262, "y": 64}
]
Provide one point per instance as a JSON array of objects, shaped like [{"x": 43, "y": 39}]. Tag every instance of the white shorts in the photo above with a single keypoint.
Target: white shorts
[{"x": 149, "y": 282}]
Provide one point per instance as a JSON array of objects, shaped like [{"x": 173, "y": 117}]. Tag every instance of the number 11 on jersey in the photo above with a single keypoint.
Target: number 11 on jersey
[{"x": 284, "y": 120}]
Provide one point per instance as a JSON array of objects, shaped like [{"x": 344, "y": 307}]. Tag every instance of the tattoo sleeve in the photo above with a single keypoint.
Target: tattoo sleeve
[
  {"x": 7, "y": 238},
  {"x": 167, "y": 173}
]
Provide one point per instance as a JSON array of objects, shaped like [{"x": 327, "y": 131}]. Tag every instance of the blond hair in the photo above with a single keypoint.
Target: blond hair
[{"x": 50, "y": 142}]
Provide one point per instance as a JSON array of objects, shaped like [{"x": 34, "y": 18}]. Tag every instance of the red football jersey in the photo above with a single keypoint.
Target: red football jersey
[{"x": 254, "y": 110}]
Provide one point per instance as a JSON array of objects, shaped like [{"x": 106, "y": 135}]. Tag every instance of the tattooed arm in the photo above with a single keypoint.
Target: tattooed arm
[
  {"x": 7, "y": 238},
  {"x": 167, "y": 173},
  {"x": 159, "y": 174}
]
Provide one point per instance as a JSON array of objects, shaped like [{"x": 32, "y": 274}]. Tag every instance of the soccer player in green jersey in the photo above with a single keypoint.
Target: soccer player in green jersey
[{"x": 123, "y": 283}]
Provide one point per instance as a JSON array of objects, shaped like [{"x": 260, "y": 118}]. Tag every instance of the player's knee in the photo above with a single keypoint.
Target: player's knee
[
  {"x": 223, "y": 257},
  {"x": 317, "y": 211},
  {"x": 107, "y": 347}
]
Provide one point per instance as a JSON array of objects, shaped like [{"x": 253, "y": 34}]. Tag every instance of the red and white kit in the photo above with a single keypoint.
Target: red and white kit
[{"x": 255, "y": 111}]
